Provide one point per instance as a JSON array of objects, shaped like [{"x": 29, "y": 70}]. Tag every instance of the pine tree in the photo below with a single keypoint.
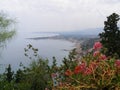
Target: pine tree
[
  {"x": 110, "y": 38},
  {"x": 9, "y": 74}
]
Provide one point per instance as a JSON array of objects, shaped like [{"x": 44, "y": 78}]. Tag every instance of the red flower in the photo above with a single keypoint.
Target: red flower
[
  {"x": 68, "y": 73},
  {"x": 97, "y": 46},
  {"x": 103, "y": 57},
  {"x": 117, "y": 63},
  {"x": 88, "y": 71},
  {"x": 96, "y": 53},
  {"x": 80, "y": 68}
]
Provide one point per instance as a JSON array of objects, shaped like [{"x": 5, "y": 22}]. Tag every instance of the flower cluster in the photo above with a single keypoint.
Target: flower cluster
[
  {"x": 96, "y": 69},
  {"x": 97, "y": 46},
  {"x": 82, "y": 69},
  {"x": 85, "y": 69}
]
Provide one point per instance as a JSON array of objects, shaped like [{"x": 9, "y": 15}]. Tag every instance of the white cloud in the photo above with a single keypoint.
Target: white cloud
[{"x": 57, "y": 15}]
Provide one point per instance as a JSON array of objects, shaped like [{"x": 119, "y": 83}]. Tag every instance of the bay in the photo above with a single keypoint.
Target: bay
[{"x": 13, "y": 53}]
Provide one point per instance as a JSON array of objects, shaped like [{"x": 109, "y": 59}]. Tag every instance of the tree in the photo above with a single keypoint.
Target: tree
[
  {"x": 6, "y": 28},
  {"x": 9, "y": 74},
  {"x": 19, "y": 76},
  {"x": 110, "y": 38}
]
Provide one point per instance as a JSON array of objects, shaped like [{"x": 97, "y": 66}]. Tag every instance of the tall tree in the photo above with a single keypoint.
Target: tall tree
[
  {"x": 6, "y": 28},
  {"x": 9, "y": 74},
  {"x": 110, "y": 38}
]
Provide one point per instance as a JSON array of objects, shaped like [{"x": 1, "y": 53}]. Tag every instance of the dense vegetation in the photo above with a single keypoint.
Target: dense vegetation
[
  {"x": 38, "y": 76},
  {"x": 93, "y": 71},
  {"x": 110, "y": 38}
]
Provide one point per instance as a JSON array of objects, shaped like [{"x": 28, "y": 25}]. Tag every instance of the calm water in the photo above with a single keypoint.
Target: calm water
[{"x": 13, "y": 53}]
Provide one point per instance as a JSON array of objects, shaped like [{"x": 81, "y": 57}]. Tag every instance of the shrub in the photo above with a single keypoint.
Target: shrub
[{"x": 95, "y": 71}]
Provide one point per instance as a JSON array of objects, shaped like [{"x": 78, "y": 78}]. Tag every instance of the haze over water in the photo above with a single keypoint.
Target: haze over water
[{"x": 13, "y": 53}]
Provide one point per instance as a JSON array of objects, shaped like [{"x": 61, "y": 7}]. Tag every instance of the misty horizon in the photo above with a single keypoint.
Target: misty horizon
[{"x": 59, "y": 15}]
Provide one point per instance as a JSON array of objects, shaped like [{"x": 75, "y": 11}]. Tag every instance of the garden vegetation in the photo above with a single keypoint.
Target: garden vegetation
[{"x": 98, "y": 69}]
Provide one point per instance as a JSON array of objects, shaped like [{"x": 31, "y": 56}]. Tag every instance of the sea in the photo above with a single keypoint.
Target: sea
[{"x": 13, "y": 51}]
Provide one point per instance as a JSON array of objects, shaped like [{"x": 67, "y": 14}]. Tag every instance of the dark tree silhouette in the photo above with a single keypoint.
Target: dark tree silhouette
[
  {"x": 110, "y": 38},
  {"x": 9, "y": 74}
]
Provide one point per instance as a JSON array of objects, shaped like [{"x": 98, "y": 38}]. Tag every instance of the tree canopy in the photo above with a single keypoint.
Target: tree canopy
[
  {"x": 110, "y": 38},
  {"x": 7, "y": 29}
]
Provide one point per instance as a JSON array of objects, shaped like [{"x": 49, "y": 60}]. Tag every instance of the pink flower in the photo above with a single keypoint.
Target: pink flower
[
  {"x": 117, "y": 63},
  {"x": 96, "y": 53},
  {"x": 88, "y": 71},
  {"x": 80, "y": 68},
  {"x": 97, "y": 46},
  {"x": 103, "y": 57}
]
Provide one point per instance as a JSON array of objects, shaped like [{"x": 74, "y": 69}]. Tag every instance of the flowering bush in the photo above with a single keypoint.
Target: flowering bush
[{"x": 95, "y": 71}]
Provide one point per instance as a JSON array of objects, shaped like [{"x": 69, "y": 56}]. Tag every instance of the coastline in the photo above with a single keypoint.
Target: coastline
[{"x": 77, "y": 43}]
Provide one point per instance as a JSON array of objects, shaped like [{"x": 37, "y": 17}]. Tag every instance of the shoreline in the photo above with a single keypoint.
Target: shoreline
[{"x": 77, "y": 43}]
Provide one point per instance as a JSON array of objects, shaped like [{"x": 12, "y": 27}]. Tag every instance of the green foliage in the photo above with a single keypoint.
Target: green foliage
[
  {"x": 6, "y": 28},
  {"x": 54, "y": 67},
  {"x": 38, "y": 75},
  {"x": 19, "y": 76},
  {"x": 6, "y": 85},
  {"x": 6, "y": 35},
  {"x": 110, "y": 38},
  {"x": 94, "y": 72},
  {"x": 68, "y": 63},
  {"x": 9, "y": 74}
]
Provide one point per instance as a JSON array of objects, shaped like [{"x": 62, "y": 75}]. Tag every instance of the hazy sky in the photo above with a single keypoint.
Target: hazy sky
[{"x": 59, "y": 15}]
